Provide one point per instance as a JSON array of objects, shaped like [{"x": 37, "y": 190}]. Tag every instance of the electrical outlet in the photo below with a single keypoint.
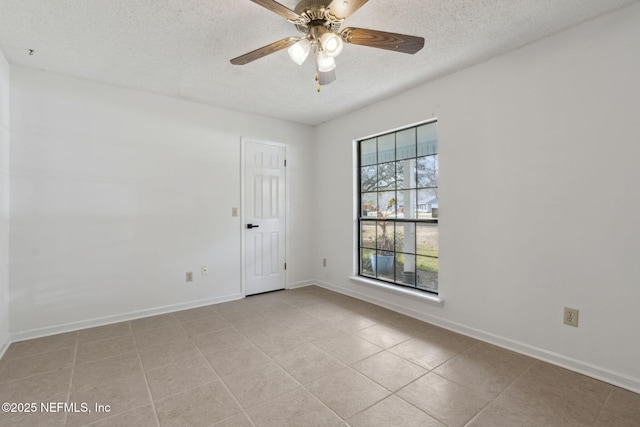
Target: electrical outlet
[
  {"x": 205, "y": 270},
  {"x": 571, "y": 316},
  {"x": 324, "y": 262},
  {"x": 189, "y": 276}
]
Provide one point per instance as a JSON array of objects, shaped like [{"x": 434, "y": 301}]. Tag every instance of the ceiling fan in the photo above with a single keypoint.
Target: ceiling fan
[{"x": 319, "y": 22}]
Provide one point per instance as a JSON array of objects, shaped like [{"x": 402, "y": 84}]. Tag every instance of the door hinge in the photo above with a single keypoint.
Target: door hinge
[
  {"x": 285, "y": 163},
  {"x": 285, "y": 265}
]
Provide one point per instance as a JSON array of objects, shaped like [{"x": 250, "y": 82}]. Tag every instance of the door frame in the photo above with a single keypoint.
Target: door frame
[{"x": 243, "y": 222}]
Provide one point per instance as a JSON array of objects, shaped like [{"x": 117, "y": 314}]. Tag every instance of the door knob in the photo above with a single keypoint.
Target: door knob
[{"x": 250, "y": 226}]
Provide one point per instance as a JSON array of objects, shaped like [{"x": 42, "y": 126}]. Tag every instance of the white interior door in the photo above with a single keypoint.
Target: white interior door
[{"x": 264, "y": 214}]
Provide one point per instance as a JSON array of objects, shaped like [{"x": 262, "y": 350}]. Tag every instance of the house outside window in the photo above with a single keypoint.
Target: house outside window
[{"x": 398, "y": 207}]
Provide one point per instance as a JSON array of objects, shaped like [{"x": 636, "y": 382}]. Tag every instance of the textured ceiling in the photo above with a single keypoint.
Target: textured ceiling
[{"x": 182, "y": 48}]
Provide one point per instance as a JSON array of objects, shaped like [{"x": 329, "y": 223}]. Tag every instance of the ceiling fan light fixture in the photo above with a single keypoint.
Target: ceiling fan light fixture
[
  {"x": 299, "y": 51},
  {"x": 324, "y": 62},
  {"x": 331, "y": 43}
]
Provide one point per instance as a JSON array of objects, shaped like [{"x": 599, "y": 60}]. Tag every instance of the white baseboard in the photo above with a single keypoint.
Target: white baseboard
[
  {"x": 606, "y": 375},
  {"x": 302, "y": 284},
  {"x": 5, "y": 346},
  {"x": 91, "y": 323}
]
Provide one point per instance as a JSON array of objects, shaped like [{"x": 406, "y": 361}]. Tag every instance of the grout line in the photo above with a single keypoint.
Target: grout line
[
  {"x": 604, "y": 405},
  {"x": 221, "y": 380},
  {"x": 73, "y": 370},
  {"x": 146, "y": 381}
]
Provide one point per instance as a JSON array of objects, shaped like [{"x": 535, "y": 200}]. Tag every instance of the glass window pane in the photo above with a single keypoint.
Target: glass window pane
[
  {"x": 387, "y": 204},
  {"x": 387, "y": 176},
  {"x": 427, "y": 139},
  {"x": 405, "y": 269},
  {"x": 427, "y": 240},
  {"x": 407, "y": 203},
  {"x": 406, "y": 171},
  {"x": 428, "y": 203},
  {"x": 369, "y": 204},
  {"x": 385, "y": 237},
  {"x": 386, "y": 148},
  {"x": 368, "y": 178},
  {"x": 427, "y": 273},
  {"x": 406, "y": 144},
  {"x": 383, "y": 265},
  {"x": 405, "y": 237},
  {"x": 427, "y": 171},
  {"x": 365, "y": 262},
  {"x": 368, "y": 152},
  {"x": 400, "y": 178},
  {"x": 368, "y": 234}
]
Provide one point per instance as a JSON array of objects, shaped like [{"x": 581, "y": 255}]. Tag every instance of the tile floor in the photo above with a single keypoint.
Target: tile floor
[{"x": 306, "y": 357}]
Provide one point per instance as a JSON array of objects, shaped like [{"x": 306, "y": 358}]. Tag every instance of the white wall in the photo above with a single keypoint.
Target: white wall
[
  {"x": 539, "y": 197},
  {"x": 115, "y": 194},
  {"x": 4, "y": 202}
]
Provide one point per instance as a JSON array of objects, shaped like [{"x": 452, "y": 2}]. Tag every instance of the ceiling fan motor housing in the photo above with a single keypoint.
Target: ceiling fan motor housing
[{"x": 314, "y": 14}]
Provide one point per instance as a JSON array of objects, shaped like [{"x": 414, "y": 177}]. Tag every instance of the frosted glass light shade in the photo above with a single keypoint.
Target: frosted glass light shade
[
  {"x": 299, "y": 51},
  {"x": 331, "y": 43},
  {"x": 325, "y": 62}
]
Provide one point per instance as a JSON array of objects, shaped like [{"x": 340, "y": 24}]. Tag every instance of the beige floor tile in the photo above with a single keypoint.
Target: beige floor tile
[
  {"x": 349, "y": 348},
  {"x": 320, "y": 332},
  {"x": 104, "y": 332},
  {"x": 205, "y": 325},
  {"x": 485, "y": 369},
  {"x": 382, "y": 336},
  {"x": 219, "y": 340},
  {"x": 300, "y": 320},
  {"x": 40, "y": 417},
  {"x": 446, "y": 401},
  {"x": 154, "y": 322},
  {"x": 178, "y": 377},
  {"x": 258, "y": 385},
  {"x": 389, "y": 370},
  {"x": 277, "y": 343},
  {"x": 33, "y": 365},
  {"x": 36, "y": 388},
  {"x": 240, "y": 420},
  {"x": 121, "y": 395},
  {"x": 393, "y": 411},
  {"x": 196, "y": 313},
  {"x": 347, "y": 392},
  {"x": 275, "y": 309},
  {"x": 235, "y": 359},
  {"x": 94, "y": 350},
  {"x": 197, "y": 407},
  {"x": 307, "y": 363},
  {"x": 409, "y": 326},
  {"x": 557, "y": 395},
  {"x": 260, "y": 327},
  {"x": 327, "y": 311},
  {"x": 623, "y": 405},
  {"x": 138, "y": 417},
  {"x": 426, "y": 354},
  {"x": 41, "y": 345},
  {"x": 296, "y": 408},
  {"x": 496, "y": 415},
  {"x": 454, "y": 342},
  {"x": 352, "y": 322},
  {"x": 157, "y": 357},
  {"x": 161, "y": 337},
  {"x": 90, "y": 374}
]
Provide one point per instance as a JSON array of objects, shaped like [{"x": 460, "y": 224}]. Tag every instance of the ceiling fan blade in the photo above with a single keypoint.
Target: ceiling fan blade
[
  {"x": 382, "y": 40},
  {"x": 342, "y": 9},
  {"x": 281, "y": 10},
  {"x": 265, "y": 50}
]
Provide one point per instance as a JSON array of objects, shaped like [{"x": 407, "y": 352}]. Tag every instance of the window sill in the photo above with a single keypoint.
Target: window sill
[{"x": 433, "y": 299}]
